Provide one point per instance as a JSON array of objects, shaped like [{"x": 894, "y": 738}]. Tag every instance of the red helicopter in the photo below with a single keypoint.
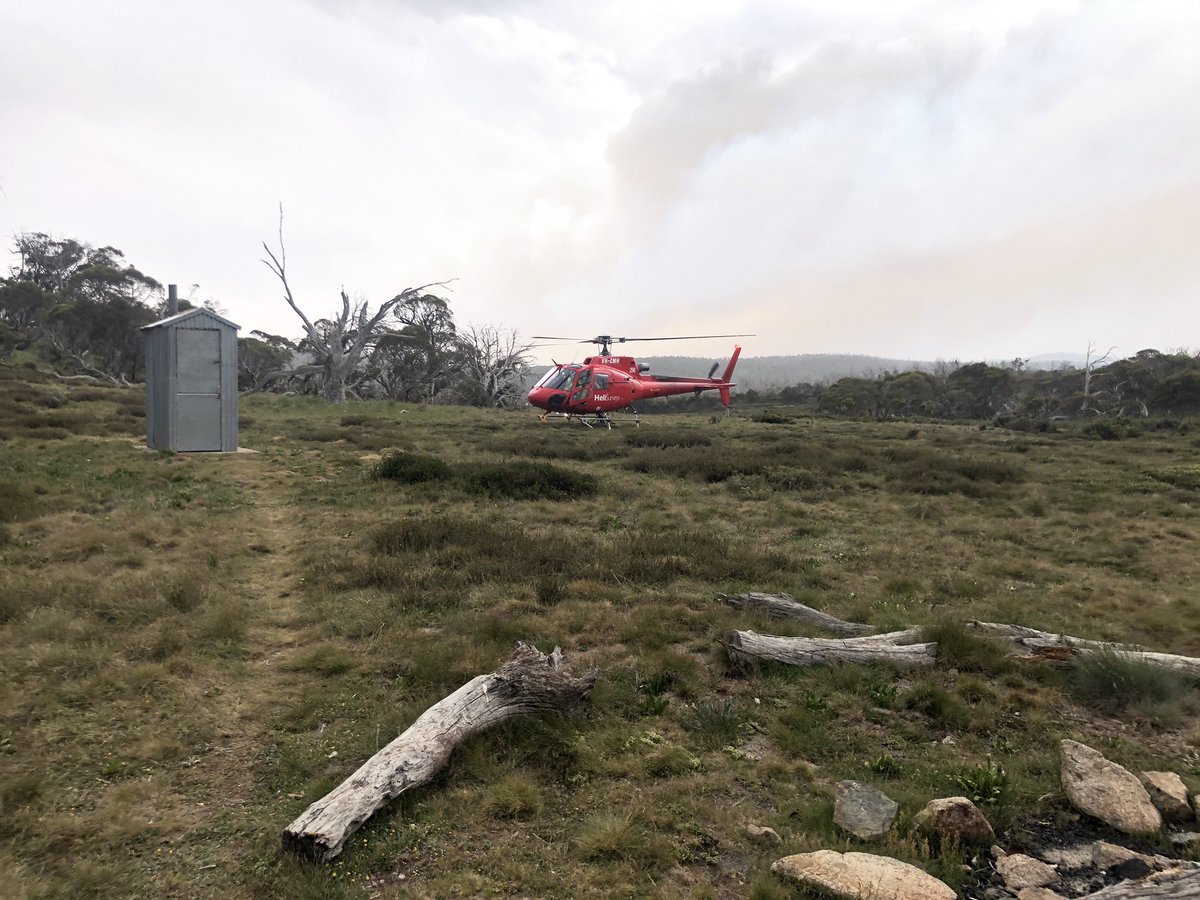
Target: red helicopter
[{"x": 604, "y": 383}]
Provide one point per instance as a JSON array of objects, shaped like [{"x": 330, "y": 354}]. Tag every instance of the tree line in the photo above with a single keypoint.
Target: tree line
[
  {"x": 80, "y": 309},
  {"x": 1148, "y": 383}
]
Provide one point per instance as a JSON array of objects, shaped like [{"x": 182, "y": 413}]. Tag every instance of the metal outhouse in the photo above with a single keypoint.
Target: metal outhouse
[{"x": 191, "y": 382}]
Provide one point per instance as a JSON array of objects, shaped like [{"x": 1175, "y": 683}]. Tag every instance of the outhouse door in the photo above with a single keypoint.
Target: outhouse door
[{"x": 198, "y": 388}]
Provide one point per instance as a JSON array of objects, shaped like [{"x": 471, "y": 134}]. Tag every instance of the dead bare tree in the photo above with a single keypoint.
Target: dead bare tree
[
  {"x": 1091, "y": 362},
  {"x": 494, "y": 362},
  {"x": 338, "y": 343}
]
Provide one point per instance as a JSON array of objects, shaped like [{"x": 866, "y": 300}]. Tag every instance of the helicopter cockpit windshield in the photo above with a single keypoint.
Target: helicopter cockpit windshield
[{"x": 559, "y": 380}]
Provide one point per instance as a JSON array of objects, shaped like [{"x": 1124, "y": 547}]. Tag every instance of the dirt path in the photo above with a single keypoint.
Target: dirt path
[{"x": 254, "y": 688}]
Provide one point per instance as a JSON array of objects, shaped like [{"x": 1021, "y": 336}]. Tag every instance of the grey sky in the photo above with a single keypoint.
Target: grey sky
[{"x": 915, "y": 180}]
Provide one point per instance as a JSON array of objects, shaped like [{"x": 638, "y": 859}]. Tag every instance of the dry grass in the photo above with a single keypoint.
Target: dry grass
[{"x": 193, "y": 647}]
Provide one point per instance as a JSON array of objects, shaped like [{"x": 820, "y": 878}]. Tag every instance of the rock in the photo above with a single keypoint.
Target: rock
[
  {"x": 956, "y": 819},
  {"x": 764, "y": 834},
  {"x": 1078, "y": 857},
  {"x": 1106, "y": 791},
  {"x": 1130, "y": 870},
  {"x": 863, "y": 810},
  {"x": 862, "y": 875},
  {"x": 1106, "y": 855},
  {"x": 1021, "y": 871},
  {"x": 1037, "y": 893},
  {"x": 1168, "y": 792},
  {"x": 1184, "y": 840}
]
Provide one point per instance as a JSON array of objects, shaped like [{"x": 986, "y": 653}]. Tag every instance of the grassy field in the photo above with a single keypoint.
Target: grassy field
[{"x": 193, "y": 648}]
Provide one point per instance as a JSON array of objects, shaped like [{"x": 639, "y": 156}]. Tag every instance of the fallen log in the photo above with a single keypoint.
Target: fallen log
[
  {"x": 1175, "y": 884},
  {"x": 1061, "y": 647},
  {"x": 785, "y": 606},
  {"x": 528, "y": 682},
  {"x": 743, "y": 645}
]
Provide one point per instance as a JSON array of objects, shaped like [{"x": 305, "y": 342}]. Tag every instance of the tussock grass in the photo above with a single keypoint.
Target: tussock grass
[
  {"x": 194, "y": 649},
  {"x": 1118, "y": 683}
]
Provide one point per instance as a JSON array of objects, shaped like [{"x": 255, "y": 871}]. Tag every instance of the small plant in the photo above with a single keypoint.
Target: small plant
[
  {"x": 882, "y": 693},
  {"x": 654, "y": 705},
  {"x": 885, "y": 765},
  {"x": 986, "y": 783}
]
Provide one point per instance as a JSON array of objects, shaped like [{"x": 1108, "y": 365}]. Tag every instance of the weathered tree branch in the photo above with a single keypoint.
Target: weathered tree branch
[
  {"x": 1174, "y": 884},
  {"x": 786, "y": 606},
  {"x": 792, "y": 651},
  {"x": 1044, "y": 645},
  {"x": 528, "y": 682}
]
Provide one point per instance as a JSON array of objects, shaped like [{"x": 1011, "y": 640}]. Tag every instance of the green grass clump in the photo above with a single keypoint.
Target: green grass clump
[
  {"x": 942, "y": 707},
  {"x": 412, "y": 468},
  {"x": 1118, "y": 683},
  {"x": 717, "y": 724},
  {"x": 513, "y": 797},
  {"x": 610, "y": 837},
  {"x": 530, "y": 481},
  {"x": 960, "y": 648}
]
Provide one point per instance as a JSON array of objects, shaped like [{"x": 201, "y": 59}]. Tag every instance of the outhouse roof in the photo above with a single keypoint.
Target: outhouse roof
[{"x": 188, "y": 314}]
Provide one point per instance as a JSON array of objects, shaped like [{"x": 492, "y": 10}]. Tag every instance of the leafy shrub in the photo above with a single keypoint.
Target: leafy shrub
[
  {"x": 530, "y": 481},
  {"x": 17, "y": 502},
  {"x": 411, "y": 468},
  {"x": 1104, "y": 430},
  {"x": 885, "y": 765},
  {"x": 986, "y": 783}
]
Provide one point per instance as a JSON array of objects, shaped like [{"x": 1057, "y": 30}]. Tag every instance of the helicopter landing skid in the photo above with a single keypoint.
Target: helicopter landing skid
[{"x": 590, "y": 420}]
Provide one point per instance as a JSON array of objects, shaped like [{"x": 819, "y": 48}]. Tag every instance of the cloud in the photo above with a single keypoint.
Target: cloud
[{"x": 792, "y": 169}]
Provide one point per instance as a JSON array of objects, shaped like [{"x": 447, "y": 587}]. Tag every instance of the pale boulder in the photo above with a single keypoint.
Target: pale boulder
[
  {"x": 1021, "y": 871},
  {"x": 1106, "y": 791},
  {"x": 862, "y": 876}
]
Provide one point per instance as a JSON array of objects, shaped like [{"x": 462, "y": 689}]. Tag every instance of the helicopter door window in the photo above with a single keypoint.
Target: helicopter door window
[
  {"x": 583, "y": 387},
  {"x": 562, "y": 380},
  {"x": 601, "y": 382}
]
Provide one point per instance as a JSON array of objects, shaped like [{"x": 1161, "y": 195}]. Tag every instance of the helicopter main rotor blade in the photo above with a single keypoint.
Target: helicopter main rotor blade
[
  {"x": 550, "y": 337},
  {"x": 687, "y": 337}
]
